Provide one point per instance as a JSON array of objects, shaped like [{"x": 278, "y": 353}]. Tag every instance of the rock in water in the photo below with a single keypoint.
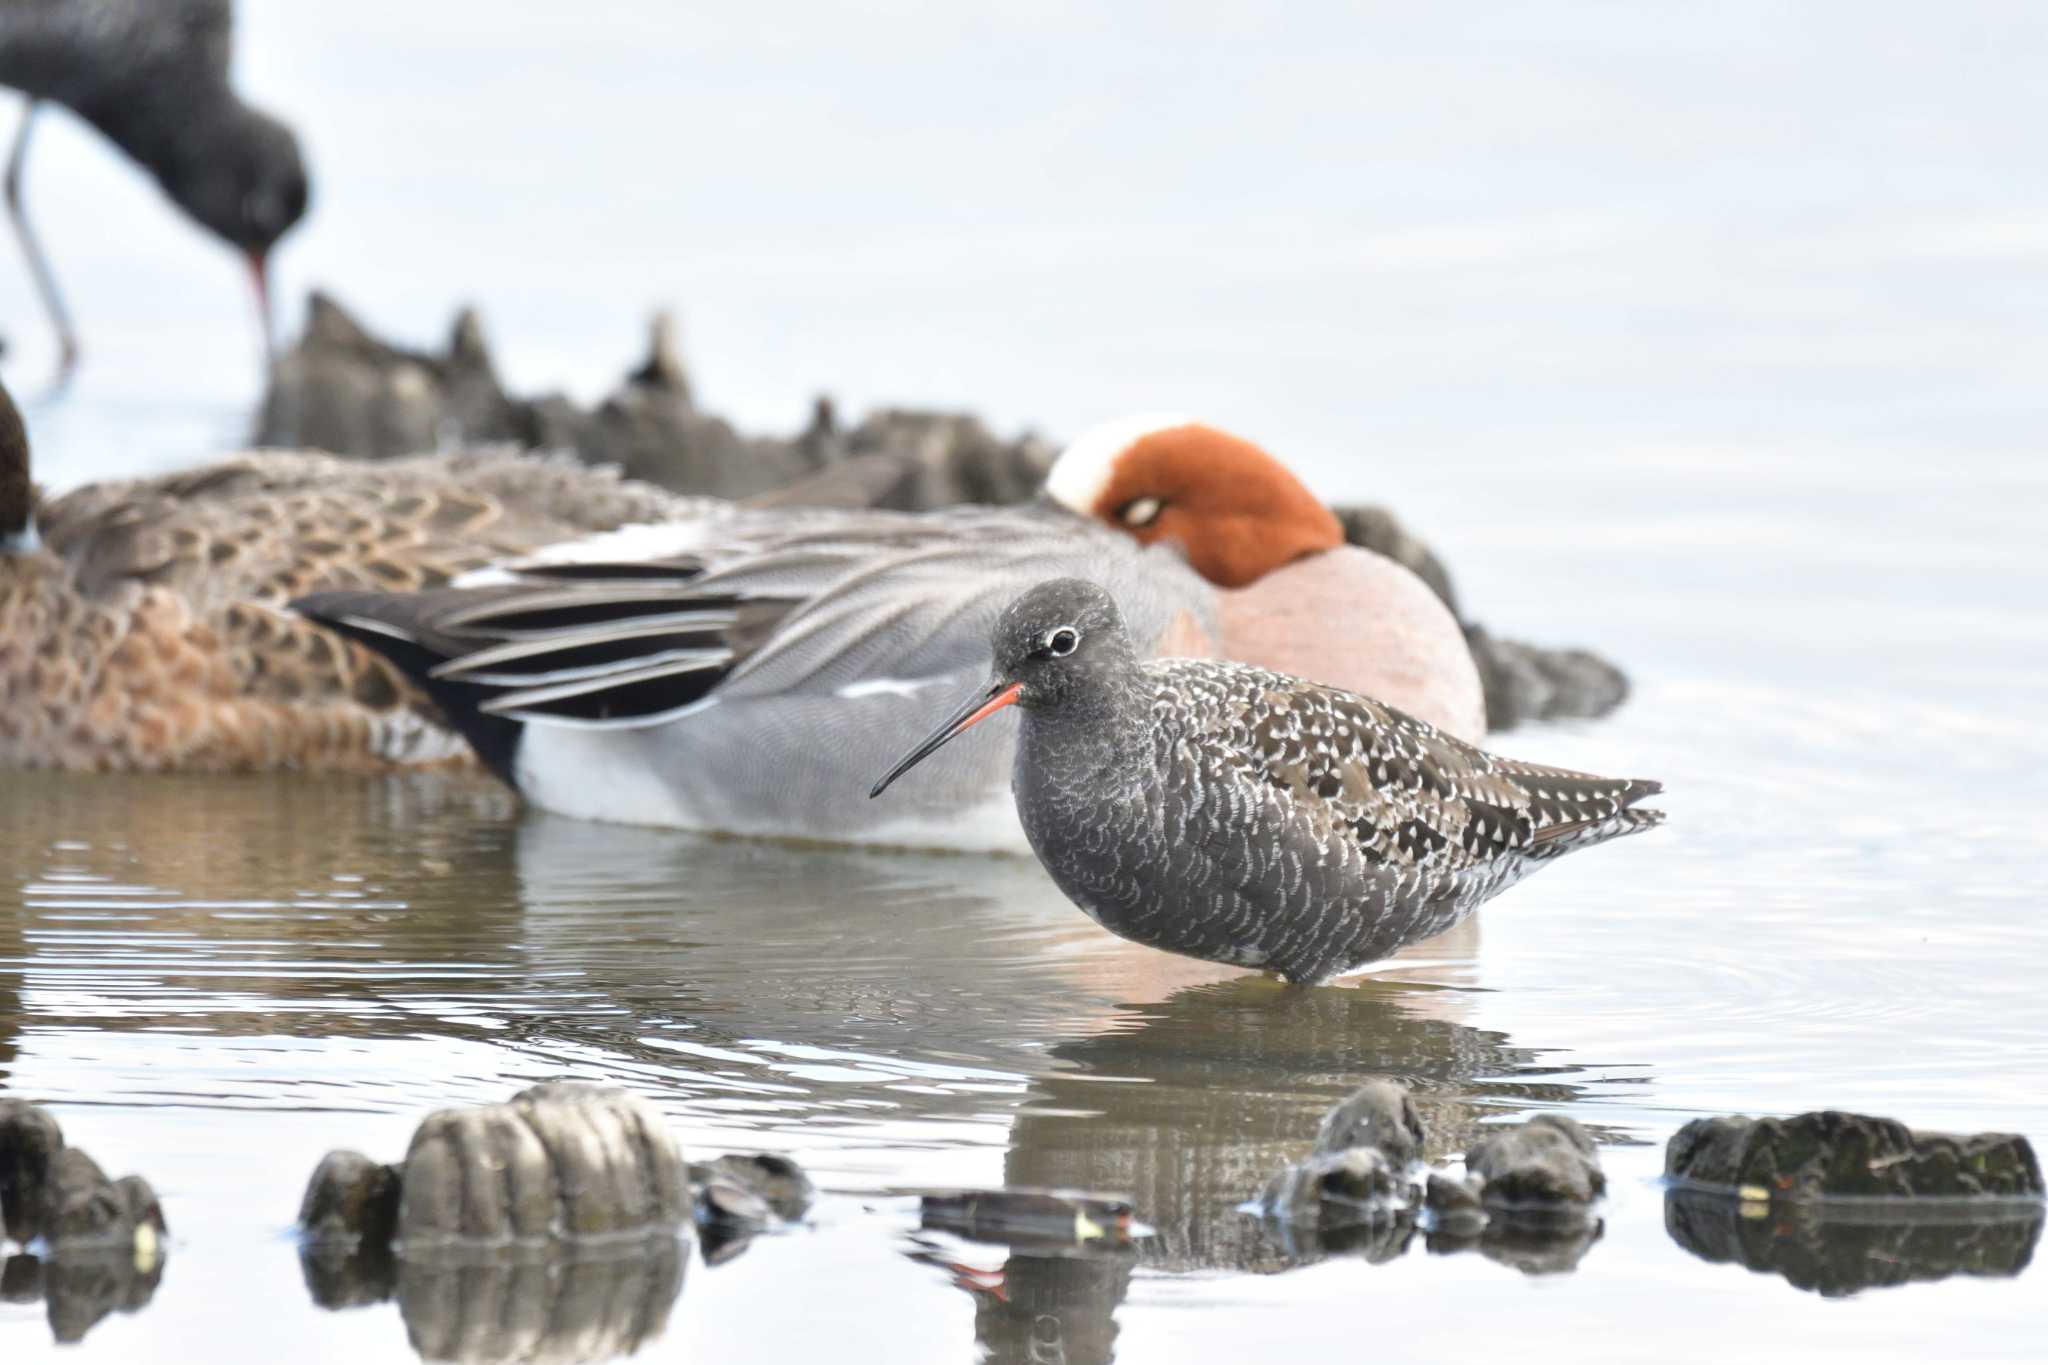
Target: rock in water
[
  {"x": 350, "y": 1198},
  {"x": 102, "y": 1240},
  {"x": 1548, "y": 1162},
  {"x": 29, "y": 1142},
  {"x": 775, "y": 1180},
  {"x": 561, "y": 1160},
  {"x": 1380, "y": 1115},
  {"x": 1828, "y": 1153}
]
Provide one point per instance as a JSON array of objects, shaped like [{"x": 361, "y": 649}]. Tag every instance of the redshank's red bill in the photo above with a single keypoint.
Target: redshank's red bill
[
  {"x": 1235, "y": 814},
  {"x": 973, "y": 712}
]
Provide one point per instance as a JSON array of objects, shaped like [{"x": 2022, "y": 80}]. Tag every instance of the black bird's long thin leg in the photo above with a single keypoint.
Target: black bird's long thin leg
[{"x": 38, "y": 263}]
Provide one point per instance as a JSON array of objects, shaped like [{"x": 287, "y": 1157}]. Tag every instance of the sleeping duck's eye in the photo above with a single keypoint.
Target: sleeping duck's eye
[
  {"x": 1140, "y": 512},
  {"x": 1063, "y": 641}
]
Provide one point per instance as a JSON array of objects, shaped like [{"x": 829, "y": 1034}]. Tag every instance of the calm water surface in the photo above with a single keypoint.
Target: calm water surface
[
  {"x": 216, "y": 981},
  {"x": 1711, "y": 340}
]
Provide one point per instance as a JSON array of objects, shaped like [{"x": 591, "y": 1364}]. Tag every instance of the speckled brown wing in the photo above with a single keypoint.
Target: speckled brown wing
[
  {"x": 1407, "y": 795},
  {"x": 151, "y": 632}
]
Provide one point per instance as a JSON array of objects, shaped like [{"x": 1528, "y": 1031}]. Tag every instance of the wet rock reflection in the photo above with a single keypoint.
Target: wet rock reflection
[
  {"x": 99, "y": 1243},
  {"x": 562, "y": 1304},
  {"x": 80, "y": 1289},
  {"x": 1162, "y": 1113},
  {"x": 1838, "y": 1248}
]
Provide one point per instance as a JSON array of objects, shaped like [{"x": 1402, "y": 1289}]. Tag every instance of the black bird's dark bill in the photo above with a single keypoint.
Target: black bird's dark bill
[{"x": 977, "y": 709}]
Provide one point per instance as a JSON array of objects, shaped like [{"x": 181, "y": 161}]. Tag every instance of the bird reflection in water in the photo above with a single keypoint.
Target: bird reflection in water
[{"x": 1162, "y": 1113}]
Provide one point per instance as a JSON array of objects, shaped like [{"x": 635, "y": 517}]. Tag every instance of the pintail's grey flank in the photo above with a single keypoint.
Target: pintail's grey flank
[{"x": 1231, "y": 813}]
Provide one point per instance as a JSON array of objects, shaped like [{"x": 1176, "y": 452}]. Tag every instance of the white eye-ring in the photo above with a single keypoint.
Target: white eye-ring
[
  {"x": 1062, "y": 641},
  {"x": 1141, "y": 512}
]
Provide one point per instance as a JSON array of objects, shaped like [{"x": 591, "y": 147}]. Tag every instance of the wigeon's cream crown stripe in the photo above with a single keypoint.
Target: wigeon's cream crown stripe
[{"x": 1085, "y": 468}]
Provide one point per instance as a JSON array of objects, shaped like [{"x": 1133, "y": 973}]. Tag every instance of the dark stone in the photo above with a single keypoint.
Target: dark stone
[
  {"x": 567, "y": 1302},
  {"x": 1549, "y": 1161},
  {"x": 1455, "y": 1207},
  {"x": 561, "y": 1161},
  {"x": 1380, "y": 1115},
  {"x": 1826, "y": 1153},
  {"x": 343, "y": 390},
  {"x": 1529, "y": 682},
  {"x": 350, "y": 1198},
  {"x": 1331, "y": 1189},
  {"x": 105, "y": 1238},
  {"x": 729, "y": 1216},
  {"x": 777, "y": 1180},
  {"x": 87, "y": 1210},
  {"x": 1840, "y": 1249},
  {"x": 1029, "y": 1218},
  {"x": 29, "y": 1142}
]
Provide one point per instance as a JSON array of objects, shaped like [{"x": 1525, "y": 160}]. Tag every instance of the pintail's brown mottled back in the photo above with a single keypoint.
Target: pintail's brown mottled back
[
  {"x": 142, "y": 624},
  {"x": 1231, "y": 813}
]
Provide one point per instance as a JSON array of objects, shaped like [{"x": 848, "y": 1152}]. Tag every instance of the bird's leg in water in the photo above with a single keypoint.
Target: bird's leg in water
[{"x": 38, "y": 263}]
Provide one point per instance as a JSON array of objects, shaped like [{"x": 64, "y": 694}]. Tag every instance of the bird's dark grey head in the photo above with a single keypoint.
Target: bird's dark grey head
[
  {"x": 1058, "y": 647},
  {"x": 17, "y": 491},
  {"x": 246, "y": 182},
  {"x": 1058, "y": 640}
]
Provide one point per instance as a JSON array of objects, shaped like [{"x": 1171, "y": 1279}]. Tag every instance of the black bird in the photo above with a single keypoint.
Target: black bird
[{"x": 153, "y": 76}]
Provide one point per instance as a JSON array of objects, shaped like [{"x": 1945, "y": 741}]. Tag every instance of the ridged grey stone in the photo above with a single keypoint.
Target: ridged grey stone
[{"x": 560, "y": 1161}]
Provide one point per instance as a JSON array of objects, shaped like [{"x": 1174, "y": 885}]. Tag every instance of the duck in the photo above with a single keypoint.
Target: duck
[
  {"x": 143, "y": 624},
  {"x": 152, "y": 76},
  {"x": 1230, "y": 813},
  {"x": 743, "y": 672}
]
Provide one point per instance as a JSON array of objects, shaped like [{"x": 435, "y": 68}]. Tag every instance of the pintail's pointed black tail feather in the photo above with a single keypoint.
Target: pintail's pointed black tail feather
[{"x": 602, "y": 653}]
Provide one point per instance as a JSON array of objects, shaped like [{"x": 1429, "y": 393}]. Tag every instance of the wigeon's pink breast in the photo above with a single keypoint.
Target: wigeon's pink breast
[{"x": 1353, "y": 619}]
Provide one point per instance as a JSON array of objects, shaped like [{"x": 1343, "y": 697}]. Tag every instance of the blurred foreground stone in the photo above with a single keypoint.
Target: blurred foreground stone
[
  {"x": 1830, "y": 1153},
  {"x": 1526, "y": 1198},
  {"x": 556, "y": 1226},
  {"x": 100, "y": 1242},
  {"x": 1836, "y": 1203}
]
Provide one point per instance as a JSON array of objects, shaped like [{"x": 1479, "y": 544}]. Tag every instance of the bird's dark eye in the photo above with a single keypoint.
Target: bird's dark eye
[
  {"x": 1140, "y": 512},
  {"x": 1062, "y": 642}
]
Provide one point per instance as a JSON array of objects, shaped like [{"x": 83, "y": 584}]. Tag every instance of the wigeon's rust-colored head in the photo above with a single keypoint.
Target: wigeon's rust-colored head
[
  {"x": 17, "y": 490},
  {"x": 1237, "y": 512}
]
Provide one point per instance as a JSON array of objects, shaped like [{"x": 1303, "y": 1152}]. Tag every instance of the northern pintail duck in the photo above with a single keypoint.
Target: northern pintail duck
[
  {"x": 1235, "y": 814},
  {"x": 153, "y": 76},
  {"x": 143, "y": 624},
  {"x": 744, "y": 671}
]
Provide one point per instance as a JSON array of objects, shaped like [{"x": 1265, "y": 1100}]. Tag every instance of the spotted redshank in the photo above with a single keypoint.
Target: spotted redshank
[{"x": 1227, "y": 812}]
